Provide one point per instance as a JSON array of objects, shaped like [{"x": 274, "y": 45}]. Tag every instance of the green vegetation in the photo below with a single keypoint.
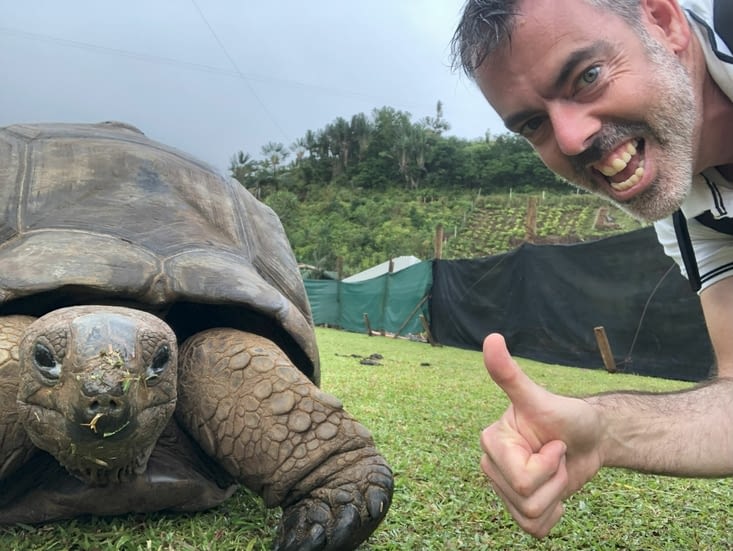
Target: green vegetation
[
  {"x": 426, "y": 407},
  {"x": 359, "y": 192},
  {"x": 498, "y": 223},
  {"x": 367, "y": 228}
]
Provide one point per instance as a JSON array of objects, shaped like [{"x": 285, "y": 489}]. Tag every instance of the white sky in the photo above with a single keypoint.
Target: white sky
[{"x": 212, "y": 77}]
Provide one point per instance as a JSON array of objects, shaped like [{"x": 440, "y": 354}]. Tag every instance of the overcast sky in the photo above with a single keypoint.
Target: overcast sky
[{"x": 212, "y": 77}]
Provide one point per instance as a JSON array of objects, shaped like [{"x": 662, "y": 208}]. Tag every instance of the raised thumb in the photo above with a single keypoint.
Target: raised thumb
[{"x": 519, "y": 388}]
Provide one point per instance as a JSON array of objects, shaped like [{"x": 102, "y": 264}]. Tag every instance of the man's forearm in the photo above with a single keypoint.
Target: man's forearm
[{"x": 688, "y": 433}]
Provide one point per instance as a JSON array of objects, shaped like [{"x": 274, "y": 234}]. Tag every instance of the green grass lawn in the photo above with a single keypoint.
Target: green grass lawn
[{"x": 426, "y": 407}]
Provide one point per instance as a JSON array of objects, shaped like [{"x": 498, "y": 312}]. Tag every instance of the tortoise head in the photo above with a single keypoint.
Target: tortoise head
[{"x": 97, "y": 388}]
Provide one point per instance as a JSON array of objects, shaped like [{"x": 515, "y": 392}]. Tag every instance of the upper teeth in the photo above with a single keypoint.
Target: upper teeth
[{"x": 619, "y": 162}]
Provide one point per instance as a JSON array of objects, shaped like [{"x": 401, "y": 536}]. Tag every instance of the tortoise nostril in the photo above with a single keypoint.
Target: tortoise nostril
[{"x": 103, "y": 404}]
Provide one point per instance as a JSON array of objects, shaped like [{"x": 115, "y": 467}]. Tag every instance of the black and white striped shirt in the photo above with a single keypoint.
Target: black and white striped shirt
[{"x": 710, "y": 190}]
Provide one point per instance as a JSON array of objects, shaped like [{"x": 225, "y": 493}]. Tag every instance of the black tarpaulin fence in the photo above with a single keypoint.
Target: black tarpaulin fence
[{"x": 547, "y": 299}]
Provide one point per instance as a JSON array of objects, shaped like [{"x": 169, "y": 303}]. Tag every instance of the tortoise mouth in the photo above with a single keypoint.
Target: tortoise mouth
[
  {"x": 95, "y": 422},
  {"x": 96, "y": 451},
  {"x": 101, "y": 426}
]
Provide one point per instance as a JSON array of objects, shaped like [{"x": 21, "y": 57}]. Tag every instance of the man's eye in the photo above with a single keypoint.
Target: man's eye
[
  {"x": 531, "y": 126},
  {"x": 589, "y": 77}
]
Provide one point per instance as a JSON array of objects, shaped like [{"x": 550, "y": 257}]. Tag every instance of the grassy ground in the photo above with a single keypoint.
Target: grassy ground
[{"x": 426, "y": 407}]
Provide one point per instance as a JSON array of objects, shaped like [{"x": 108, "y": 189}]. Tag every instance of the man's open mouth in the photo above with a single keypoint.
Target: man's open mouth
[{"x": 624, "y": 167}]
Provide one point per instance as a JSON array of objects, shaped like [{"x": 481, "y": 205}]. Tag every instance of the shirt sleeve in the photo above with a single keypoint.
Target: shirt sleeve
[{"x": 713, "y": 250}]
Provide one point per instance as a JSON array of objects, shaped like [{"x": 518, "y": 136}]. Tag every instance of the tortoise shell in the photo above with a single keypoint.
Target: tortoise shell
[{"x": 101, "y": 214}]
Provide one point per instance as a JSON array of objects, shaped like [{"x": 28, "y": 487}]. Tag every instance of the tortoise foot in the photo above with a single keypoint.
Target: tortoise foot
[{"x": 343, "y": 510}]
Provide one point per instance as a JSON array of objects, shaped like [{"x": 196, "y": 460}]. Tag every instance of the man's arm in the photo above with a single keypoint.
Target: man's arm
[
  {"x": 689, "y": 433},
  {"x": 717, "y": 305},
  {"x": 545, "y": 446}
]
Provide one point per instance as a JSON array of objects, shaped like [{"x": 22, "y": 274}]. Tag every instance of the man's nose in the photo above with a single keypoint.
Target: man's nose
[{"x": 574, "y": 127}]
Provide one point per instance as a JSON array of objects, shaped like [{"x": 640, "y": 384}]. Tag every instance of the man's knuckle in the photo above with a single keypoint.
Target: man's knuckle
[{"x": 523, "y": 487}]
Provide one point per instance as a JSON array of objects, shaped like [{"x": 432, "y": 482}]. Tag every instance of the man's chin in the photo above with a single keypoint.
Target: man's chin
[
  {"x": 649, "y": 206},
  {"x": 648, "y": 210}
]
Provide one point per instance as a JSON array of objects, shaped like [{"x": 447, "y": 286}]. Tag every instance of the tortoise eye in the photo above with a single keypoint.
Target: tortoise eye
[
  {"x": 158, "y": 365},
  {"x": 45, "y": 362}
]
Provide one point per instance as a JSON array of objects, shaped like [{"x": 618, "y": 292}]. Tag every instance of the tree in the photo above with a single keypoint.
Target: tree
[
  {"x": 275, "y": 153},
  {"x": 380, "y": 168},
  {"x": 244, "y": 169},
  {"x": 437, "y": 125},
  {"x": 311, "y": 143},
  {"x": 299, "y": 147},
  {"x": 361, "y": 133},
  {"x": 339, "y": 138},
  {"x": 412, "y": 147}
]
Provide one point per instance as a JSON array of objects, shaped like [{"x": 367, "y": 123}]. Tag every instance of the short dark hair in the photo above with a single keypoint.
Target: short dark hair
[{"x": 486, "y": 24}]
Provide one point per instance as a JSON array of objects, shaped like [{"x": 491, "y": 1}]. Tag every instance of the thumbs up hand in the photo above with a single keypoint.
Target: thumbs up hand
[{"x": 542, "y": 449}]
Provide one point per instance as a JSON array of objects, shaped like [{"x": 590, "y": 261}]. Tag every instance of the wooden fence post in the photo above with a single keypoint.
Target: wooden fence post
[
  {"x": 605, "y": 349},
  {"x": 368, "y": 325},
  {"x": 438, "y": 245},
  {"x": 426, "y": 328},
  {"x": 530, "y": 224}
]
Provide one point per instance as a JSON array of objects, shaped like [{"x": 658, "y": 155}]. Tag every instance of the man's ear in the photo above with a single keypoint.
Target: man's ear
[{"x": 666, "y": 22}]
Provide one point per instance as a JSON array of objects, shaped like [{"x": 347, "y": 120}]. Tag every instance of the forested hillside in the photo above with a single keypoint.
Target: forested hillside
[{"x": 359, "y": 192}]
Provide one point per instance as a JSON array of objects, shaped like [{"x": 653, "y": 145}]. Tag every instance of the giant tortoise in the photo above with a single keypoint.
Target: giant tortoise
[{"x": 157, "y": 348}]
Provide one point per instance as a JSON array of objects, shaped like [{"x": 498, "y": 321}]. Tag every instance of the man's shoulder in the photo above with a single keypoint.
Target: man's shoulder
[
  {"x": 715, "y": 19},
  {"x": 702, "y": 8}
]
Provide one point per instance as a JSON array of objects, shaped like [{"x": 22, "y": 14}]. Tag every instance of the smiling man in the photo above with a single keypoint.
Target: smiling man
[{"x": 631, "y": 100}]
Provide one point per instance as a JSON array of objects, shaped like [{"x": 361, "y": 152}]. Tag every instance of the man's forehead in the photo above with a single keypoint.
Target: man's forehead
[{"x": 550, "y": 40}]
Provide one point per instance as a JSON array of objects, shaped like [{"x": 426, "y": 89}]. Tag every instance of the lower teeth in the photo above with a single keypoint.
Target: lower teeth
[{"x": 631, "y": 181}]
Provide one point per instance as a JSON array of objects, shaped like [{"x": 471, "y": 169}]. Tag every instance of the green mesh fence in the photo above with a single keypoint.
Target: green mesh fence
[{"x": 393, "y": 302}]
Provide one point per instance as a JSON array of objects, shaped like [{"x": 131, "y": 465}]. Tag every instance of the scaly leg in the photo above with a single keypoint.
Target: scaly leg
[
  {"x": 279, "y": 435},
  {"x": 15, "y": 446}
]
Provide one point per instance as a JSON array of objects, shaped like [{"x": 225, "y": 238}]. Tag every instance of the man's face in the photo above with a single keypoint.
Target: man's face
[{"x": 605, "y": 111}]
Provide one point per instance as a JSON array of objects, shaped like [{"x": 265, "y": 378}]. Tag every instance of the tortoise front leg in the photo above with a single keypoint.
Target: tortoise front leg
[
  {"x": 281, "y": 436},
  {"x": 15, "y": 446}
]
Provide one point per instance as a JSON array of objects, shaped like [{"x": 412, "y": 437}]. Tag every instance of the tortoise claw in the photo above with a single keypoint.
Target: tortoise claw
[
  {"x": 339, "y": 515},
  {"x": 315, "y": 539}
]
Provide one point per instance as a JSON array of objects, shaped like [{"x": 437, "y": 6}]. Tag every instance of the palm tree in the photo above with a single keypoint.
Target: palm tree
[
  {"x": 299, "y": 147},
  {"x": 310, "y": 141},
  {"x": 242, "y": 167},
  {"x": 339, "y": 134},
  {"x": 275, "y": 153},
  {"x": 361, "y": 133},
  {"x": 437, "y": 125}
]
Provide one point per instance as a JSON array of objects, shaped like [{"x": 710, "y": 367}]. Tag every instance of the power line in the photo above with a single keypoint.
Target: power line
[
  {"x": 252, "y": 91},
  {"x": 118, "y": 52},
  {"x": 201, "y": 67}
]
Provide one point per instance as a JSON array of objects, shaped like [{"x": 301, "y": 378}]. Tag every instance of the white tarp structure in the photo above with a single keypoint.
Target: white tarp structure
[{"x": 398, "y": 263}]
